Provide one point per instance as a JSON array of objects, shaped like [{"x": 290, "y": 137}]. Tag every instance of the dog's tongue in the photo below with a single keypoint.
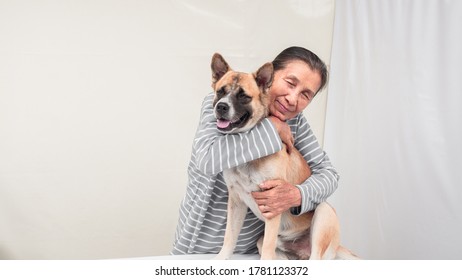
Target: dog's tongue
[{"x": 223, "y": 123}]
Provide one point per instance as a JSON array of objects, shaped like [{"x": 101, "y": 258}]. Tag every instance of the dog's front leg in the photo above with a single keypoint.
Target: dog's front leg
[
  {"x": 235, "y": 219},
  {"x": 268, "y": 250}
]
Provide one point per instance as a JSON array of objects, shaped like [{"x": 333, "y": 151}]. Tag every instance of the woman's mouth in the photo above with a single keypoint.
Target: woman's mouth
[{"x": 282, "y": 108}]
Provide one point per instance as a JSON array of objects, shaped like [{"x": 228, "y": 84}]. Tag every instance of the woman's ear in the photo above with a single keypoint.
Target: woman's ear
[
  {"x": 264, "y": 76},
  {"x": 219, "y": 68}
]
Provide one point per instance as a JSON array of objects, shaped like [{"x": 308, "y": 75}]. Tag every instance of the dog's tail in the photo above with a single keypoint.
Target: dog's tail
[{"x": 345, "y": 254}]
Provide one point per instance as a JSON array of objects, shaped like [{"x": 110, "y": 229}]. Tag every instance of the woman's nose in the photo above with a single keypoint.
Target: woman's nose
[{"x": 292, "y": 98}]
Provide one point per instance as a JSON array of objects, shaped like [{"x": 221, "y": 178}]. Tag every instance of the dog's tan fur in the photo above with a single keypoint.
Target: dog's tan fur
[{"x": 313, "y": 235}]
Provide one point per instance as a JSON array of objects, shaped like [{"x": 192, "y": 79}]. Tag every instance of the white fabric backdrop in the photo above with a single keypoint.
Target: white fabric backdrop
[{"x": 393, "y": 127}]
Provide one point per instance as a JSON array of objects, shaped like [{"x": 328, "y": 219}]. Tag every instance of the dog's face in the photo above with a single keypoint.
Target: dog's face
[{"x": 241, "y": 99}]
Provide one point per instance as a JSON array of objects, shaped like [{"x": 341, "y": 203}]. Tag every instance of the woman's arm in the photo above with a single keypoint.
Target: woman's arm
[{"x": 324, "y": 178}]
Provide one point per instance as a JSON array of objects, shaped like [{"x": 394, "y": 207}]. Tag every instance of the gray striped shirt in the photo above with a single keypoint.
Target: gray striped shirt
[{"x": 202, "y": 215}]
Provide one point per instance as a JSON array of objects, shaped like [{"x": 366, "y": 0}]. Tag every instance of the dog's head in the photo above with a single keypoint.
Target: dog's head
[{"x": 241, "y": 99}]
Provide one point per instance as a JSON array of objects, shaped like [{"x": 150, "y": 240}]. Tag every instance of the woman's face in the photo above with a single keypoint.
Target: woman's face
[{"x": 293, "y": 89}]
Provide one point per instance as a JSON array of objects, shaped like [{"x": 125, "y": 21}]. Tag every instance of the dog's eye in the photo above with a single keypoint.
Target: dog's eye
[
  {"x": 241, "y": 96},
  {"x": 221, "y": 92}
]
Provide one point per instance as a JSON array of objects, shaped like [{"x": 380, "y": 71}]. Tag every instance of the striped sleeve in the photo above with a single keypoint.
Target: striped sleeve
[
  {"x": 216, "y": 151},
  {"x": 324, "y": 179}
]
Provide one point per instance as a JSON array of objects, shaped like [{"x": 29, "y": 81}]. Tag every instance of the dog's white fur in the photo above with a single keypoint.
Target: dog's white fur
[{"x": 313, "y": 235}]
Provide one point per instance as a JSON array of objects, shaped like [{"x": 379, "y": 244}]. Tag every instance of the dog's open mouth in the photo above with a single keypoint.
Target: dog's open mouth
[{"x": 227, "y": 125}]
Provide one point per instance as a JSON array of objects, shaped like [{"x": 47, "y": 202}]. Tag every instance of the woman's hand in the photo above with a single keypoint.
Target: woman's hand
[
  {"x": 276, "y": 197},
  {"x": 284, "y": 132}
]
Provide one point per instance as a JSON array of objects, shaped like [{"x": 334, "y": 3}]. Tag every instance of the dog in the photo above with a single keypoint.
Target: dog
[{"x": 241, "y": 101}]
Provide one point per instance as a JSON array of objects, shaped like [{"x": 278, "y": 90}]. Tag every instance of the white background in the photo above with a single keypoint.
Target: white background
[
  {"x": 99, "y": 102},
  {"x": 394, "y": 127}
]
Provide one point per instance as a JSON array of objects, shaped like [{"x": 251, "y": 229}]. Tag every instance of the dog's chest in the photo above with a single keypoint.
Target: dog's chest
[
  {"x": 242, "y": 181},
  {"x": 244, "y": 178}
]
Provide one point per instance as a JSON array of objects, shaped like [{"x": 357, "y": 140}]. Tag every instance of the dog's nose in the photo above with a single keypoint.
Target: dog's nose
[{"x": 222, "y": 108}]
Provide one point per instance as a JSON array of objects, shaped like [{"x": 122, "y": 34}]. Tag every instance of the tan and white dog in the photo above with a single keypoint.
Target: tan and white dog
[{"x": 241, "y": 101}]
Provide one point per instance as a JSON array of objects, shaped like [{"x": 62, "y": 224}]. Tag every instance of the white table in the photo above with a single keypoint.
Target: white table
[{"x": 198, "y": 257}]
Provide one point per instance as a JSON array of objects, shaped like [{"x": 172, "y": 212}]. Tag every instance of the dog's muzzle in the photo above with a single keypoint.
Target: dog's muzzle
[
  {"x": 222, "y": 109},
  {"x": 222, "y": 113},
  {"x": 225, "y": 122}
]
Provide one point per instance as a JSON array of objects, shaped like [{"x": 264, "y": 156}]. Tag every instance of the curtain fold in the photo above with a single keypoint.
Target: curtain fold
[{"x": 393, "y": 127}]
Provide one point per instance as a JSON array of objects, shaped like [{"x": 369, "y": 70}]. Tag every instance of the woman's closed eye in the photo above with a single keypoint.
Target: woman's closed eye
[
  {"x": 291, "y": 83},
  {"x": 309, "y": 95}
]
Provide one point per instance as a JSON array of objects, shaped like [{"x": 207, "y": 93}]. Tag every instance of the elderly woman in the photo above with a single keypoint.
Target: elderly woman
[{"x": 298, "y": 75}]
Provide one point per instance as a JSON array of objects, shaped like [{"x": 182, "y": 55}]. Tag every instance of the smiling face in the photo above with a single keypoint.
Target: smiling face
[{"x": 293, "y": 89}]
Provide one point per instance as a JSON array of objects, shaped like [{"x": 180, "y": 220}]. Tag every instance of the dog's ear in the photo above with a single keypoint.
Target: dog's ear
[
  {"x": 264, "y": 76},
  {"x": 219, "y": 68}
]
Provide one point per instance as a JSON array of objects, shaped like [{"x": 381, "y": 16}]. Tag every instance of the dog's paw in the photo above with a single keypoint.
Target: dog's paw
[
  {"x": 268, "y": 257},
  {"x": 221, "y": 257}
]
